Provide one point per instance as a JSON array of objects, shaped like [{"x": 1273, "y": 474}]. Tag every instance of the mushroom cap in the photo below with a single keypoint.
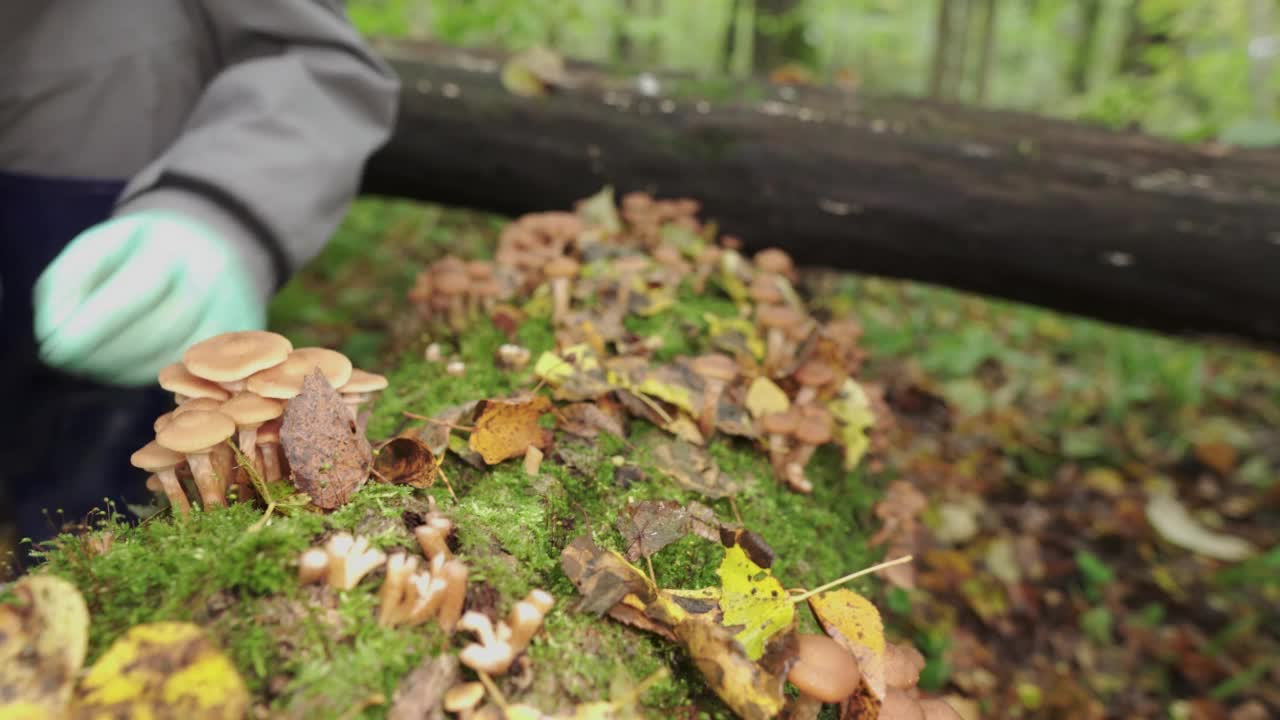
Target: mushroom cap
[
  {"x": 463, "y": 696},
  {"x": 774, "y": 260},
  {"x": 154, "y": 457},
  {"x": 205, "y": 404},
  {"x": 196, "y": 431},
  {"x": 824, "y": 669},
  {"x": 938, "y": 709},
  {"x": 234, "y": 356},
  {"x": 449, "y": 263},
  {"x": 667, "y": 255},
  {"x": 902, "y": 665},
  {"x": 284, "y": 381},
  {"x": 715, "y": 366},
  {"x": 765, "y": 292},
  {"x": 479, "y": 269},
  {"x": 247, "y": 408},
  {"x": 779, "y": 316},
  {"x": 488, "y": 288},
  {"x": 898, "y": 705},
  {"x": 362, "y": 381},
  {"x": 815, "y": 374},
  {"x": 453, "y": 282},
  {"x": 781, "y": 423},
  {"x": 561, "y": 267},
  {"x": 177, "y": 379},
  {"x": 269, "y": 432},
  {"x": 812, "y": 430}
]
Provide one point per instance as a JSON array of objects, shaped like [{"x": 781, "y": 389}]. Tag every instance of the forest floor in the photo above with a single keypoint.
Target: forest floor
[{"x": 1099, "y": 534}]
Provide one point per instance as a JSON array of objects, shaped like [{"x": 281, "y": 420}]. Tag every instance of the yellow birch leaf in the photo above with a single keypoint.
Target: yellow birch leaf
[
  {"x": 162, "y": 669},
  {"x": 854, "y": 622},
  {"x": 43, "y": 640},
  {"x": 746, "y": 687},
  {"x": 755, "y": 605},
  {"x": 852, "y": 411},
  {"x": 734, "y": 335},
  {"x": 505, "y": 428},
  {"x": 765, "y": 398}
]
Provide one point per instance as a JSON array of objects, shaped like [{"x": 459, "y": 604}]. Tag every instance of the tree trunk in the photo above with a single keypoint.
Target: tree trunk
[
  {"x": 1090, "y": 15},
  {"x": 1114, "y": 225},
  {"x": 941, "y": 50},
  {"x": 771, "y": 47},
  {"x": 986, "y": 51}
]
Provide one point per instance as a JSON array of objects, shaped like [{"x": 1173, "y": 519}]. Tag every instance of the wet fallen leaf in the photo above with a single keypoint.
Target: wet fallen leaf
[
  {"x": 650, "y": 525},
  {"x": 745, "y": 686},
  {"x": 505, "y": 428},
  {"x": 406, "y": 461},
  {"x": 852, "y": 410},
  {"x": 1174, "y": 523},
  {"x": 603, "y": 577},
  {"x": 854, "y": 622},
  {"x": 692, "y": 468},
  {"x": 764, "y": 397},
  {"x": 437, "y": 432},
  {"x": 756, "y": 606},
  {"x": 735, "y": 335},
  {"x": 44, "y": 635},
  {"x": 164, "y": 669},
  {"x": 684, "y": 428},
  {"x": 330, "y": 459},
  {"x": 575, "y": 374},
  {"x": 421, "y": 692},
  {"x": 674, "y": 384},
  {"x": 589, "y": 419}
]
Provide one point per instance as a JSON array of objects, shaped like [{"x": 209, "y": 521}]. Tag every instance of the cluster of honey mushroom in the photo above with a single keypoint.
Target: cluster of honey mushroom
[
  {"x": 237, "y": 385},
  {"x": 413, "y": 593},
  {"x": 597, "y": 275}
]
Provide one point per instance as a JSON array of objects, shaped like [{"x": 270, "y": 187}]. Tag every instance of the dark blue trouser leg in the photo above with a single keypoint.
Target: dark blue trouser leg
[{"x": 64, "y": 441}]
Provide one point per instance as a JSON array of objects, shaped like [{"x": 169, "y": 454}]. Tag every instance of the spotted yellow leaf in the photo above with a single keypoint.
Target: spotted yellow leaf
[
  {"x": 854, "y": 622},
  {"x": 756, "y": 606},
  {"x": 164, "y": 669},
  {"x": 506, "y": 428}
]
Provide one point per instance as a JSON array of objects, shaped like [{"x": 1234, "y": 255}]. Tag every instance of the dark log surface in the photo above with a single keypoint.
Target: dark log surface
[{"x": 1117, "y": 226}]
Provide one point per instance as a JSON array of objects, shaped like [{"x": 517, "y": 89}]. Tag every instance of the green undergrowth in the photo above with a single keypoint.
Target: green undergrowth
[{"x": 309, "y": 651}]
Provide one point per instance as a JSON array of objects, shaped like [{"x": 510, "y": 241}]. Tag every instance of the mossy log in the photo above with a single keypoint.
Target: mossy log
[{"x": 1118, "y": 226}]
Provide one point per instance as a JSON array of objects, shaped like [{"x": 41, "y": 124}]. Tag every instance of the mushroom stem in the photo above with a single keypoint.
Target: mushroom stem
[
  {"x": 804, "y": 707},
  {"x": 454, "y": 574},
  {"x": 560, "y": 298},
  {"x": 270, "y": 462},
  {"x": 173, "y": 490},
  {"x": 807, "y": 394},
  {"x": 248, "y": 439},
  {"x": 313, "y": 566},
  {"x": 710, "y": 406},
  {"x": 428, "y": 593},
  {"x": 223, "y": 464},
  {"x": 395, "y": 587},
  {"x": 206, "y": 480},
  {"x": 775, "y": 349}
]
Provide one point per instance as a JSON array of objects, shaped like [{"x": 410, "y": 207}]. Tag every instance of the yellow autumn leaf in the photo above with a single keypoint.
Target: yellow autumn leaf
[
  {"x": 505, "y": 428},
  {"x": 852, "y": 411},
  {"x": 731, "y": 267},
  {"x": 576, "y": 373},
  {"x": 735, "y": 335},
  {"x": 44, "y": 636},
  {"x": 755, "y": 604},
  {"x": 747, "y": 688},
  {"x": 160, "y": 670},
  {"x": 854, "y": 622},
  {"x": 655, "y": 385},
  {"x": 764, "y": 397}
]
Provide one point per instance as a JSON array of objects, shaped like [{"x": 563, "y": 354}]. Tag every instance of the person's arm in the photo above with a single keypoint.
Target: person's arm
[
  {"x": 267, "y": 163},
  {"x": 272, "y": 154}
]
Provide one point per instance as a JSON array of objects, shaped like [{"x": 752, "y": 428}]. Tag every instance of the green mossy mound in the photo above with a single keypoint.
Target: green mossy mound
[{"x": 307, "y": 651}]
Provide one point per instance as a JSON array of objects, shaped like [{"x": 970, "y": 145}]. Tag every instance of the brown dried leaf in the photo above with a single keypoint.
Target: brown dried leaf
[
  {"x": 586, "y": 419},
  {"x": 329, "y": 457},
  {"x": 505, "y": 428},
  {"x": 603, "y": 577},
  {"x": 650, "y": 525},
  {"x": 692, "y": 468},
  {"x": 406, "y": 461},
  {"x": 421, "y": 693},
  {"x": 436, "y": 433}
]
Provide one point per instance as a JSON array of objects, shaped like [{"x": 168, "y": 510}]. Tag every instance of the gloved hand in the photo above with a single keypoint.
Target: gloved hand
[{"x": 126, "y": 297}]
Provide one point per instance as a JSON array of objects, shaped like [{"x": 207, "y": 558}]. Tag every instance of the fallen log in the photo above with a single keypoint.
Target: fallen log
[{"x": 1117, "y": 226}]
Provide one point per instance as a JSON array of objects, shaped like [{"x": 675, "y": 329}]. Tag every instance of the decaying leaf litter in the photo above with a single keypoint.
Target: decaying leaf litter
[{"x": 589, "y": 281}]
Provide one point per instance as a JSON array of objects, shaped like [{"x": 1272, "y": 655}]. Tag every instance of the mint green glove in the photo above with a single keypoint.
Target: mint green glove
[{"x": 126, "y": 297}]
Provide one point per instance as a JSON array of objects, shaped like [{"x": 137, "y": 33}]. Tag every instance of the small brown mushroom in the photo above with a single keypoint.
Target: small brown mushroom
[
  {"x": 898, "y": 705},
  {"x": 902, "y": 665},
  {"x": 778, "y": 428},
  {"x": 206, "y": 404},
  {"x": 526, "y": 618},
  {"x": 814, "y": 376},
  {"x": 513, "y": 357},
  {"x": 195, "y": 434},
  {"x": 629, "y": 269},
  {"x": 708, "y": 260},
  {"x": 359, "y": 388},
  {"x": 432, "y": 537},
  {"x": 824, "y": 671},
  {"x": 777, "y": 321},
  {"x": 268, "y": 442},
  {"x": 284, "y": 380},
  {"x": 938, "y": 709},
  {"x": 313, "y": 566},
  {"x": 250, "y": 411},
  {"x": 560, "y": 272},
  {"x": 764, "y": 291},
  {"x": 176, "y": 379},
  {"x": 813, "y": 429},
  {"x": 155, "y": 458},
  {"x": 717, "y": 371},
  {"x": 775, "y": 261},
  {"x": 392, "y": 607},
  {"x": 463, "y": 698},
  {"x": 230, "y": 358},
  {"x": 452, "y": 287},
  {"x": 425, "y": 595},
  {"x": 454, "y": 573}
]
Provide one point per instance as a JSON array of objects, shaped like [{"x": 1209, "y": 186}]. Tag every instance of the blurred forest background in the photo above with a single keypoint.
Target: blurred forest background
[{"x": 1194, "y": 70}]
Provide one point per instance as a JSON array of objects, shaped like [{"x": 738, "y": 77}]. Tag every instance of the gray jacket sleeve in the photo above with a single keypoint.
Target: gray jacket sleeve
[{"x": 272, "y": 152}]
